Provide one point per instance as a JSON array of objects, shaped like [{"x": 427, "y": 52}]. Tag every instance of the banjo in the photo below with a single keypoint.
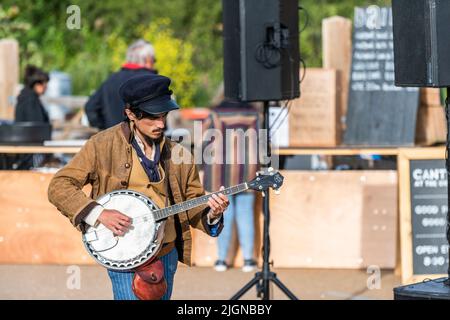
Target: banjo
[{"x": 144, "y": 238}]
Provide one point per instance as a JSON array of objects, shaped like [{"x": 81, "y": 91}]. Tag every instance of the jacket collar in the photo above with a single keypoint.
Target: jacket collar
[{"x": 126, "y": 131}]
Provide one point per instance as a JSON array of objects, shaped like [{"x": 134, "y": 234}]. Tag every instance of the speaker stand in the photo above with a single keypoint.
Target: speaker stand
[
  {"x": 447, "y": 167},
  {"x": 262, "y": 279}
]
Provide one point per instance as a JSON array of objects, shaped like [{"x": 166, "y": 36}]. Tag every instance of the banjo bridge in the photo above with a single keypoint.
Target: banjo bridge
[{"x": 91, "y": 236}]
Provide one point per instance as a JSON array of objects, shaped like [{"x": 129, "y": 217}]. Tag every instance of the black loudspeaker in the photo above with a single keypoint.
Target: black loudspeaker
[
  {"x": 261, "y": 49},
  {"x": 427, "y": 290},
  {"x": 421, "y": 42}
]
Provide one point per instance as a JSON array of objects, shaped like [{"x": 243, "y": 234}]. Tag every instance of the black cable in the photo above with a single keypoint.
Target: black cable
[
  {"x": 288, "y": 106},
  {"x": 288, "y": 102},
  {"x": 433, "y": 280},
  {"x": 300, "y": 8},
  {"x": 279, "y": 114},
  {"x": 447, "y": 166},
  {"x": 265, "y": 53},
  {"x": 304, "y": 69}
]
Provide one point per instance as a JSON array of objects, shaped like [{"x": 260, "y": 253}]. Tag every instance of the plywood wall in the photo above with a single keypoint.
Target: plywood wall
[
  {"x": 32, "y": 231},
  {"x": 335, "y": 219}
]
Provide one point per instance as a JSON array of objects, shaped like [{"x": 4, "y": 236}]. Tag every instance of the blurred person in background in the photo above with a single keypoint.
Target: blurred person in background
[
  {"x": 29, "y": 106},
  {"x": 234, "y": 115},
  {"x": 104, "y": 108}
]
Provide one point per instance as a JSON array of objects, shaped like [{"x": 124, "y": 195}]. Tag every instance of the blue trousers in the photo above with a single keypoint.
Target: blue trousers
[
  {"x": 240, "y": 211},
  {"x": 122, "y": 281}
]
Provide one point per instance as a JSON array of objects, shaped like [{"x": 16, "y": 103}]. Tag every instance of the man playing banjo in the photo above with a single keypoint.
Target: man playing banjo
[{"x": 135, "y": 155}]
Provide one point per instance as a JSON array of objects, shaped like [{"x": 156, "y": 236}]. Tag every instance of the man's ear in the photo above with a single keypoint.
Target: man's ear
[{"x": 130, "y": 114}]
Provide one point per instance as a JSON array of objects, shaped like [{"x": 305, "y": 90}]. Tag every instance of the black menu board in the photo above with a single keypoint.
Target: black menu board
[
  {"x": 379, "y": 113},
  {"x": 429, "y": 208}
]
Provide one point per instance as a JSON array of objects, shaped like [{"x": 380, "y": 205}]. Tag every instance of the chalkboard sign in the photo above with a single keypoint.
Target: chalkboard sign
[
  {"x": 379, "y": 113},
  {"x": 429, "y": 206}
]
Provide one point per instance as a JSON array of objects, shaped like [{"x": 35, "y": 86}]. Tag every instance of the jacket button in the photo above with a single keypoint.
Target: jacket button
[
  {"x": 123, "y": 183},
  {"x": 127, "y": 165}
]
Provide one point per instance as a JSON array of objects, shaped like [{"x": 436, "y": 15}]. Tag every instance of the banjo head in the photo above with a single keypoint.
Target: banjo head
[{"x": 138, "y": 245}]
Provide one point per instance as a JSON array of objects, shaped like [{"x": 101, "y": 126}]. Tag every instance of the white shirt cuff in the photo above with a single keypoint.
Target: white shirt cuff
[
  {"x": 215, "y": 221},
  {"x": 91, "y": 218}
]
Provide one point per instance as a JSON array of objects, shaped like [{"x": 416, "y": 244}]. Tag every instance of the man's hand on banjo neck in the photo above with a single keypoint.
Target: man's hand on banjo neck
[{"x": 218, "y": 204}]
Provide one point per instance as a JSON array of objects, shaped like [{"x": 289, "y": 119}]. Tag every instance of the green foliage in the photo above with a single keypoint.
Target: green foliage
[
  {"x": 187, "y": 36},
  {"x": 10, "y": 25},
  {"x": 174, "y": 59}
]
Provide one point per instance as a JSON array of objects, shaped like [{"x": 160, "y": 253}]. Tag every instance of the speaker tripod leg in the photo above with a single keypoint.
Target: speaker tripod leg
[
  {"x": 265, "y": 289},
  {"x": 247, "y": 287},
  {"x": 282, "y": 287}
]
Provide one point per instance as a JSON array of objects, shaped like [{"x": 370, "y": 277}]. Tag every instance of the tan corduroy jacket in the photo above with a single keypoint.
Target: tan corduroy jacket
[{"x": 105, "y": 162}]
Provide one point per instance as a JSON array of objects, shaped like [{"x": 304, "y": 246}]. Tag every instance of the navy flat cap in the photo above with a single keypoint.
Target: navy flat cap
[{"x": 149, "y": 93}]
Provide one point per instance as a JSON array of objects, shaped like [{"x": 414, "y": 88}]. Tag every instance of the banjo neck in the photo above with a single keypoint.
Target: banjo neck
[{"x": 161, "y": 214}]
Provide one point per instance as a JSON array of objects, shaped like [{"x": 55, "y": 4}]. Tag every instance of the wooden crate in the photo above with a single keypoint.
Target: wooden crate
[
  {"x": 335, "y": 219},
  {"x": 314, "y": 118},
  {"x": 431, "y": 125},
  {"x": 32, "y": 231}
]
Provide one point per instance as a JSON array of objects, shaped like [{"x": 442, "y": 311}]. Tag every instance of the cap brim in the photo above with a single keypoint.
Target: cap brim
[{"x": 153, "y": 107}]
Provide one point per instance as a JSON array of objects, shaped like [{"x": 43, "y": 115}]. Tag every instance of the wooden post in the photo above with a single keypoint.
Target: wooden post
[
  {"x": 337, "y": 54},
  {"x": 431, "y": 127},
  {"x": 314, "y": 119},
  {"x": 9, "y": 76}
]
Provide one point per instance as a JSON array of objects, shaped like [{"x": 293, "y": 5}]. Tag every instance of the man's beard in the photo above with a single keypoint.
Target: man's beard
[{"x": 150, "y": 140}]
